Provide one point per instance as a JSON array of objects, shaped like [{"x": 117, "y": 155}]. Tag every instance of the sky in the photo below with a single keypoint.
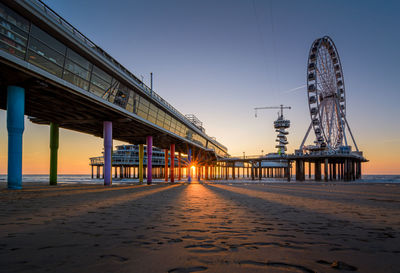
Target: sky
[{"x": 220, "y": 59}]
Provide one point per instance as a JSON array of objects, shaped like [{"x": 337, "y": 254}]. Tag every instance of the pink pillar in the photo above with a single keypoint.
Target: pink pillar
[
  {"x": 166, "y": 164},
  {"x": 172, "y": 164},
  {"x": 179, "y": 166},
  {"x": 107, "y": 135},
  {"x": 149, "y": 156}
]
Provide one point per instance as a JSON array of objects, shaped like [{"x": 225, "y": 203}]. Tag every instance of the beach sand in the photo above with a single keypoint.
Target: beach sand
[{"x": 208, "y": 227}]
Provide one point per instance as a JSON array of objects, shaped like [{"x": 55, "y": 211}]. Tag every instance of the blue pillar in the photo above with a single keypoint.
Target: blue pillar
[
  {"x": 190, "y": 165},
  {"x": 15, "y": 128}
]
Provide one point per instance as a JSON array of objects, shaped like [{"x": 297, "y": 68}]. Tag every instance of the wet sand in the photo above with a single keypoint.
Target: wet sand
[{"x": 210, "y": 227}]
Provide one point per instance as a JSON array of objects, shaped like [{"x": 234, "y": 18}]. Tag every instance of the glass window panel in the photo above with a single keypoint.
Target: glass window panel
[
  {"x": 144, "y": 102},
  {"x": 44, "y": 63},
  {"x": 161, "y": 115},
  {"x": 14, "y": 18},
  {"x": 47, "y": 39},
  {"x": 152, "y": 113},
  {"x": 72, "y": 55},
  {"x": 142, "y": 114},
  {"x": 151, "y": 119},
  {"x": 46, "y": 52},
  {"x": 173, "y": 123},
  {"x": 76, "y": 69},
  {"x": 74, "y": 79},
  {"x": 153, "y": 107},
  {"x": 143, "y": 108},
  {"x": 96, "y": 90},
  {"x": 166, "y": 125},
  {"x": 121, "y": 93},
  {"x": 135, "y": 102},
  {"x": 11, "y": 47},
  {"x": 160, "y": 122},
  {"x": 129, "y": 107},
  {"x": 12, "y": 32},
  {"x": 100, "y": 83},
  {"x": 101, "y": 74}
]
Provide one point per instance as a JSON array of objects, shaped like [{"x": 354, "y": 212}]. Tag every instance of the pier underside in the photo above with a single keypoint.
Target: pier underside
[{"x": 48, "y": 102}]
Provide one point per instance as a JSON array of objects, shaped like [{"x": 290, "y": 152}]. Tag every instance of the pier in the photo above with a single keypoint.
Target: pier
[{"x": 58, "y": 77}]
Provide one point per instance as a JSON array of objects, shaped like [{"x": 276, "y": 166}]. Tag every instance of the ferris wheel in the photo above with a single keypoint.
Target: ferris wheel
[{"x": 326, "y": 95}]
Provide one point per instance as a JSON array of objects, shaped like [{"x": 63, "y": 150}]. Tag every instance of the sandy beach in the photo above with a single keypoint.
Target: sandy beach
[{"x": 207, "y": 227}]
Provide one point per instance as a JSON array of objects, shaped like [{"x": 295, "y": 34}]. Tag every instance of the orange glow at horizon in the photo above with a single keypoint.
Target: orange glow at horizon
[{"x": 76, "y": 148}]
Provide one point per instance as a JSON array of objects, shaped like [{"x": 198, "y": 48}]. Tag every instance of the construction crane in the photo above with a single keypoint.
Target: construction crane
[
  {"x": 280, "y": 126},
  {"x": 272, "y": 107}
]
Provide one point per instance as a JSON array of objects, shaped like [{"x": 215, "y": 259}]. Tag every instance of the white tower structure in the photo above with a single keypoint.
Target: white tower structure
[{"x": 281, "y": 125}]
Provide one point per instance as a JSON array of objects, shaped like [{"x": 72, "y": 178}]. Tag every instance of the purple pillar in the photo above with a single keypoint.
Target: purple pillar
[
  {"x": 149, "y": 156},
  {"x": 107, "y": 135}
]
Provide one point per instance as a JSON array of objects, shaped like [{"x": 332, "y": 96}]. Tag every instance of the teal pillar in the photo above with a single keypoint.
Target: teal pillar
[
  {"x": 15, "y": 128},
  {"x": 54, "y": 140}
]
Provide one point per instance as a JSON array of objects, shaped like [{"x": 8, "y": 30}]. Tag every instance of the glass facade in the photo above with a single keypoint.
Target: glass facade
[{"x": 26, "y": 41}]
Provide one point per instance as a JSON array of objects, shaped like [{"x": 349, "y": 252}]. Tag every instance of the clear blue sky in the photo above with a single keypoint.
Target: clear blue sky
[{"x": 220, "y": 59}]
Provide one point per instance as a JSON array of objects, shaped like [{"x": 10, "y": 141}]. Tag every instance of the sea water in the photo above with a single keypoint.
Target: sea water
[{"x": 86, "y": 179}]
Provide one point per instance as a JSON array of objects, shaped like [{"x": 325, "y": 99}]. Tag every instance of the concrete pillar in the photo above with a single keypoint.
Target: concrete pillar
[
  {"x": 141, "y": 157},
  {"x": 326, "y": 169},
  {"x": 15, "y": 128},
  {"x": 298, "y": 172},
  {"x": 54, "y": 140},
  {"x": 189, "y": 165},
  {"x": 107, "y": 135},
  {"x": 288, "y": 171},
  {"x": 252, "y": 171},
  {"x": 98, "y": 172},
  {"x": 149, "y": 142},
  {"x": 172, "y": 164},
  {"x": 179, "y": 166},
  {"x": 334, "y": 171},
  {"x": 92, "y": 172},
  {"x": 233, "y": 170},
  {"x": 259, "y": 171},
  {"x": 309, "y": 170},
  {"x": 317, "y": 171},
  {"x": 166, "y": 164}
]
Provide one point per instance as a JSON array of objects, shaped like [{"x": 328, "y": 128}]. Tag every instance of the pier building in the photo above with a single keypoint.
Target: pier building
[
  {"x": 126, "y": 163},
  {"x": 57, "y": 76}
]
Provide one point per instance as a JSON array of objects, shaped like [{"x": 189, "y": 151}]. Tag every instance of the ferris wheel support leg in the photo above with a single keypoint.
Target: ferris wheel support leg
[
  {"x": 351, "y": 134},
  {"x": 305, "y": 137}
]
